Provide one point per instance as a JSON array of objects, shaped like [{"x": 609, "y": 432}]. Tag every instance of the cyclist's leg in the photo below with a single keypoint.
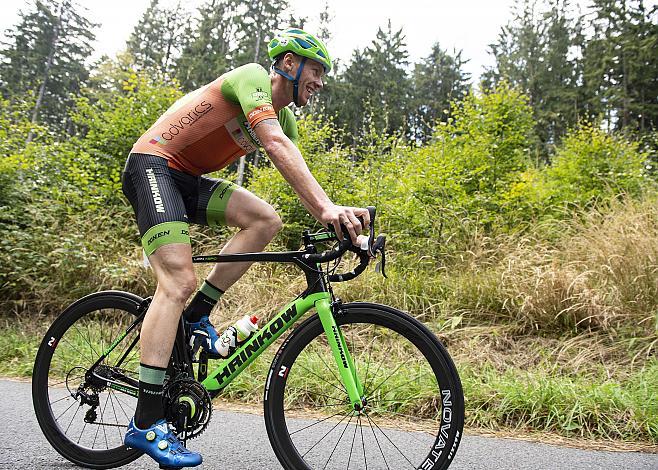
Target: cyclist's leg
[
  {"x": 162, "y": 219},
  {"x": 155, "y": 194},
  {"x": 172, "y": 265},
  {"x": 234, "y": 206}
]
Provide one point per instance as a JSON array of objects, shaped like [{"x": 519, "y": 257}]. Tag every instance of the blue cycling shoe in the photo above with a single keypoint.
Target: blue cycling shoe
[
  {"x": 162, "y": 445},
  {"x": 203, "y": 334}
]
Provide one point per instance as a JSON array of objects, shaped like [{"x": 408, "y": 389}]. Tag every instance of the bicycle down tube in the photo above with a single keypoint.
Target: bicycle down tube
[{"x": 232, "y": 366}]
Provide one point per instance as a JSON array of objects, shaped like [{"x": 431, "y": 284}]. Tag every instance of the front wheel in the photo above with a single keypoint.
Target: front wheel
[{"x": 414, "y": 412}]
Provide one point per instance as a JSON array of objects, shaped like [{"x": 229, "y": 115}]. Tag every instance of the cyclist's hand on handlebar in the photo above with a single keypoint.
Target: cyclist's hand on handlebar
[{"x": 349, "y": 218}]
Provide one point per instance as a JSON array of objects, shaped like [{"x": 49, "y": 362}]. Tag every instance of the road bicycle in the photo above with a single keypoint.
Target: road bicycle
[{"x": 355, "y": 385}]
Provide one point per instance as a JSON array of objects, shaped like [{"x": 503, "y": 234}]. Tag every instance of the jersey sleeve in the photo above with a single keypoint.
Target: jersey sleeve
[
  {"x": 289, "y": 124},
  {"x": 250, "y": 87}
]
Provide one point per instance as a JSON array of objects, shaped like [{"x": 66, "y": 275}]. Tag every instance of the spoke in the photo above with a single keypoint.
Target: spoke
[
  {"x": 331, "y": 371},
  {"x": 378, "y": 445},
  {"x": 411, "y": 433},
  {"x": 389, "y": 376},
  {"x": 338, "y": 442},
  {"x": 64, "y": 381},
  {"x": 322, "y": 378},
  {"x": 128, "y": 405},
  {"x": 402, "y": 385},
  {"x": 328, "y": 432},
  {"x": 100, "y": 330},
  {"x": 107, "y": 446},
  {"x": 120, "y": 406},
  {"x": 389, "y": 440},
  {"x": 60, "y": 399},
  {"x": 363, "y": 444},
  {"x": 127, "y": 350},
  {"x": 98, "y": 428},
  {"x": 62, "y": 414},
  {"x": 71, "y": 422},
  {"x": 321, "y": 406},
  {"x": 349, "y": 459},
  {"x": 317, "y": 422},
  {"x": 411, "y": 417},
  {"x": 336, "y": 399},
  {"x": 82, "y": 432},
  {"x": 91, "y": 348},
  {"x": 83, "y": 355},
  {"x": 379, "y": 366},
  {"x": 116, "y": 419}
]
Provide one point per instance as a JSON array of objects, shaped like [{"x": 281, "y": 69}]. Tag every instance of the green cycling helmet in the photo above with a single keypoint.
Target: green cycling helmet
[{"x": 301, "y": 43}]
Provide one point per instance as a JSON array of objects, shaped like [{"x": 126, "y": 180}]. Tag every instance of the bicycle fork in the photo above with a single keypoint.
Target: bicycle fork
[{"x": 341, "y": 354}]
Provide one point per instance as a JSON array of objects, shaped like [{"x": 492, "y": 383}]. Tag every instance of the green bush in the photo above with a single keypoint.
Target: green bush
[{"x": 593, "y": 166}]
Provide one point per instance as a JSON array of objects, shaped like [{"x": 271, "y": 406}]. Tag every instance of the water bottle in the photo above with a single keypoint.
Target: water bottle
[
  {"x": 238, "y": 333},
  {"x": 246, "y": 326}
]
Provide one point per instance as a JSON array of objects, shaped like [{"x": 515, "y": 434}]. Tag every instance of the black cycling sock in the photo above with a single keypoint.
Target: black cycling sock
[
  {"x": 149, "y": 403},
  {"x": 202, "y": 303}
]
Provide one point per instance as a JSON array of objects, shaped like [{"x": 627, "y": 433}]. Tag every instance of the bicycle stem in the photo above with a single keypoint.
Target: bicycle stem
[{"x": 341, "y": 353}]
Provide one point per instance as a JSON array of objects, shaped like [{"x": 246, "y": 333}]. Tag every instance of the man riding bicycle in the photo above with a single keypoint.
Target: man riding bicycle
[{"x": 204, "y": 131}]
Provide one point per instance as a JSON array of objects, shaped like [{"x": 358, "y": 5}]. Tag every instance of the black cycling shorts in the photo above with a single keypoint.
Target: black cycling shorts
[{"x": 165, "y": 200}]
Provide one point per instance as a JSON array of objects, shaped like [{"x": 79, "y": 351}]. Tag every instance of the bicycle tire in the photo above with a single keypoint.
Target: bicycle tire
[
  {"x": 395, "y": 335},
  {"x": 63, "y": 350}
]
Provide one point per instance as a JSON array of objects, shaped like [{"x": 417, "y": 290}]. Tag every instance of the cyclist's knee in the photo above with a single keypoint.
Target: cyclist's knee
[
  {"x": 178, "y": 287},
  {"x": 174, "y": 271},
  {"x": 271, "y": 222}
]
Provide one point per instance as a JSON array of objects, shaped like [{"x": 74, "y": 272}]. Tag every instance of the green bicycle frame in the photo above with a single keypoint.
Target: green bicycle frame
[
  {"x": 316, "y": 296},
  {"x": 232, "y": 366}
]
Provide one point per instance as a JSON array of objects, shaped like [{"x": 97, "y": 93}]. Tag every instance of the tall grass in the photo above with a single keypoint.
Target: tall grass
[{"x": 550, "y": 332}]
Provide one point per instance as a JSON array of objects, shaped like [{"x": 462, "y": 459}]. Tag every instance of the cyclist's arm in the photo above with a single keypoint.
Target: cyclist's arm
[{"x": 290, "y": 163}]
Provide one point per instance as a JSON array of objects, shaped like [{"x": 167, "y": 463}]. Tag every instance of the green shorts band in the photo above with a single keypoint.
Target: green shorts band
[
  {"x": 216, "y": 208},
  {"x": 165, "y": 234}
]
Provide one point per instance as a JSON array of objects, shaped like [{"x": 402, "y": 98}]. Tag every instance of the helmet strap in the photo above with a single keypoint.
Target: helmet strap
[{"x": 294, "y": 80}]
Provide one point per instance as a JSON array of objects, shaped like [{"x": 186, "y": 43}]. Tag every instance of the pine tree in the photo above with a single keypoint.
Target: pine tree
[
  {"x": 437, "y": 80},
  {"x": 155, "y": 40},
  {"x": 533, "y": 52},
  {"x": 45, "y": 56},
  {"x": 375, "y": 79},
  {"x": 622, "y": 64},
  {"x": 258, "y": 21},
  {"x": 208, "y": 52}
]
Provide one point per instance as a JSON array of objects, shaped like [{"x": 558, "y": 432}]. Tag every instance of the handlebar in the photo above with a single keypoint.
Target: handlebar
[{"x": 374, "y": 246}]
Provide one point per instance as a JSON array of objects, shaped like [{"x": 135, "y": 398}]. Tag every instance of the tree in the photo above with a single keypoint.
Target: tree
[
  {"x": 621, "y": 64},
  {"x": 534, "y": 53},
  {"x": 154, "y": 43},
  {"x": 376, "y": 78},
  {"x": 257, "y": 18},
  {"x": 437, "y": 81},
  {"x": 46, "y": 56},
  {"x": 208, "y": 52}
]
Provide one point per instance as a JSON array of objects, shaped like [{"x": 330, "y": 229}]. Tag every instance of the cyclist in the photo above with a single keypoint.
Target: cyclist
[{"x": 204, "y": 131}]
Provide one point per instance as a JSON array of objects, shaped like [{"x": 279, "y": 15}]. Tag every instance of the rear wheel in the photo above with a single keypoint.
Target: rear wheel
[
  {"x": 414, "y": 411},
  {"x": 82, "y": 418}
]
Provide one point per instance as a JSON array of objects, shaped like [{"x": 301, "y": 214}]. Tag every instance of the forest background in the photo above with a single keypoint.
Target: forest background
[{"x": 521, "y": 209}]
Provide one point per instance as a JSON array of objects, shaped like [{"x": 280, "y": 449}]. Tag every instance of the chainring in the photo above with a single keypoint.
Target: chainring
[{"x": 188, "y": 406}]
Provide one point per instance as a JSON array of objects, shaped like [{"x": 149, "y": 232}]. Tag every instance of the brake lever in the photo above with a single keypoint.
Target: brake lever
[{"x": 379, "y": 247}]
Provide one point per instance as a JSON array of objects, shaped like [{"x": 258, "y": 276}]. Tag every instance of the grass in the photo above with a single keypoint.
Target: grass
[
  {"x": 556, "y": 334},
  {"x": 547, "y": 392}
]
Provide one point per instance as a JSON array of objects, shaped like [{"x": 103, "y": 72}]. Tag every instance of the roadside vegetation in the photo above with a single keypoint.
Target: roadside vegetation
[
  {"x": 541, "y": 280},
  {"x": 521, "y": 214}
]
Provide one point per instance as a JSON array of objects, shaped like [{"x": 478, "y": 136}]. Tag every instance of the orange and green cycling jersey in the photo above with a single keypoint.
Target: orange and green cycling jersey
[{"x": 209, "y": 128}]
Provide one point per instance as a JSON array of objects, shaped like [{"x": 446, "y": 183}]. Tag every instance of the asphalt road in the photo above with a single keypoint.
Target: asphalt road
[{"x": 239, "y": 441}]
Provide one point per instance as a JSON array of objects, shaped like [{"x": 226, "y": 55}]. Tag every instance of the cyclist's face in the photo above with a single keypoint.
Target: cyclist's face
[{"x": 311, "y": 81}]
